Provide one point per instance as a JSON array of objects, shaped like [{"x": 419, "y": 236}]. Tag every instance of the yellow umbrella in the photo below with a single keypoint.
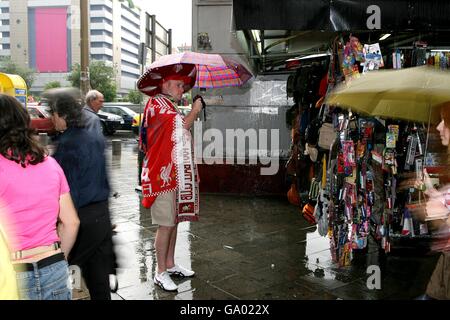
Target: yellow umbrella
[
  {"x": 407, "y": 94},
  {"x": 8, "y": 285}
]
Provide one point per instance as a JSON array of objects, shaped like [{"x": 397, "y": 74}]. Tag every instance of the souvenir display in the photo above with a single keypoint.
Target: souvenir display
[
  {"x": 353, "y": 58},
  {"x": 373, "y": 57},
  {"x": 354, "y": 217},
  {"x": 353, "y": 188}
]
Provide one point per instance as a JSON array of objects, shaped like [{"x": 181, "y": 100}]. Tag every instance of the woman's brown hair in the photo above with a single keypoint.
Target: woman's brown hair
[
  {"x": 444, "y": 111},
  {"x": 18, "y": 142}
]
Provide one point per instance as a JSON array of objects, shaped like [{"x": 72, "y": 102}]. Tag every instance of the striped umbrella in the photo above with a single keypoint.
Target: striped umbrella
[
  {"x": 213, "y": 70},
  {"x": 230, "y": 74}
]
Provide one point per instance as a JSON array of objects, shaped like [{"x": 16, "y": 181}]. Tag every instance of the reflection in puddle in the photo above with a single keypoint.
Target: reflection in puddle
[
  {"x": 183, "y": 257},
  {"x": 137, "y": 260},
  {"x": 318, "y": 255},
  {"x": 185, "y": 291}
]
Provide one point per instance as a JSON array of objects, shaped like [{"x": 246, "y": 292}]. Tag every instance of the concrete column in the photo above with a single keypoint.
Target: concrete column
[
  {"x": 116, "y": 147},
  {"x": 75, "y": 32},
  {"x": 18, "y": 24},
  {"x": 117, "y": 41}
]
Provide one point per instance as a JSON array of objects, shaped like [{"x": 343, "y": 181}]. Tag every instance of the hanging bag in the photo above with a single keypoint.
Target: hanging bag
[
  {"x": 327, "y": 134},
  {"x": 290, "y": 86},
  {"x": 308, "y": 213},
  {"x": 293, "y": 196},
  {"x": 321, "y": 209},
  {"x": 292, "y": 163},
  {"x": 314, "y": 189},
  {"x": 321, "y": 214},
  {"x": 319, "y": 132}
]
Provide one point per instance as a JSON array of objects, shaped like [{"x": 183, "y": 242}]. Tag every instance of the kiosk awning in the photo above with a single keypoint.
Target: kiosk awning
[{"x": 342, "y": 15}]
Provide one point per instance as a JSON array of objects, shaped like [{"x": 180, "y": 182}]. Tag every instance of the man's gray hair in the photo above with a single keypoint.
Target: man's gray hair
[{"x": 91, "y": 96}]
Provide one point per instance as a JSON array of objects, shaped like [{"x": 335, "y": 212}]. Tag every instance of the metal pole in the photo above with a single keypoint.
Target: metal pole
[
  {"x": 263, "y": 49},
  {"x": 153, "y": 37},
  {"x": 169, "y": 41},
  {"x": 143, "y": 58},
  {"x": 141, "y": 154},
  {"x": 84, "y": 72}
]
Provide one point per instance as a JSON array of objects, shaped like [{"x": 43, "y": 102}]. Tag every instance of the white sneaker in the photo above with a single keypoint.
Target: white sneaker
[
  {"x": 179, "y": 271},
  {"x": 113, "y": 283},
  {"x": 165, "y": 282}
]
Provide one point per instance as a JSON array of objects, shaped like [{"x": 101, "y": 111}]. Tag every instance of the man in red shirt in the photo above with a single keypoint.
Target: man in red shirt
[{"x": 169, "y": 175}]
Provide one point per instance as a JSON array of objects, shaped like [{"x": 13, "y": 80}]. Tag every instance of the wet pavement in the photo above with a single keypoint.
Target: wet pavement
[{"x": 245, "y": 248}]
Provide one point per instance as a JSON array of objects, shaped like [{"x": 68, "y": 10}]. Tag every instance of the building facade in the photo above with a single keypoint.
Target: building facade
[{"x": 45, "y": 36}]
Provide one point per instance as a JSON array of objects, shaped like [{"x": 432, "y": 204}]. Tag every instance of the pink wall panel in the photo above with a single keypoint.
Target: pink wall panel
[{"x": 51, "y": 39}]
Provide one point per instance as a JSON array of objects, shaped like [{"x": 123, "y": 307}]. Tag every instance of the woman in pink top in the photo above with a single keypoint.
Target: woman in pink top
[{"x": 38, "y": 214}]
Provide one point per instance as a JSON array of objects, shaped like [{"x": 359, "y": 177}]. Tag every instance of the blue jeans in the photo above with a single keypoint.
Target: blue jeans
[{"x": 48, "y": 283}]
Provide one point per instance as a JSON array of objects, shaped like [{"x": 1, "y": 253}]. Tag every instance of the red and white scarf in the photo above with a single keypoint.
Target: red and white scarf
[{"x": 169, "y": 158}]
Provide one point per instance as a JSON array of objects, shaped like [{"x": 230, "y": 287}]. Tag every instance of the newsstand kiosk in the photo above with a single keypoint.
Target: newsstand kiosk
[{"x": 14, "y": 85}]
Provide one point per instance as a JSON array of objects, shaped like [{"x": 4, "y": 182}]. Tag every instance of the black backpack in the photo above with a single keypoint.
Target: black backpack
[
  {"x": 312, "y": 132},
  {"x": 313, "y": 128},
  {"x": 290, "y": 86}
]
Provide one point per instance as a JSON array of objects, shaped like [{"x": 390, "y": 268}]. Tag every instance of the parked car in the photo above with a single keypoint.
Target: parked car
[
  {"x": 136, "y": 123},
  {"x": 41, "y": 119},
  {"x": 185, "y": 109},
  {"x": 124, "y": 112},
  {"x": 110, "y": 122}
]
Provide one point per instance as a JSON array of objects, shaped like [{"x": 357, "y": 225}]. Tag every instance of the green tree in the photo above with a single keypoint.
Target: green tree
[
  {"x": 135, "y": 96},
  {"x": 102, "y": 78},
  {"x": 10, "y": 67},
  {"x": 74, "y": 76},
  {"x": 52, "y": 84}
]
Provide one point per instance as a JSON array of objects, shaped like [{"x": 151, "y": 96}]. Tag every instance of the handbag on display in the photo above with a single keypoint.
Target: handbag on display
[
  {"x": 290, "y": 86},
  {"x": 314, "y": 189},
  {"x": 327, "y": 135},
  {"x": 308, "y": 213},
  {"x": 293, "y": 196},
  {"x": 312, "y": 132},
  {"x": 320, "y": 132},
  {"x": 292, "y": 163},
  {"x": 321, "y": 214}
]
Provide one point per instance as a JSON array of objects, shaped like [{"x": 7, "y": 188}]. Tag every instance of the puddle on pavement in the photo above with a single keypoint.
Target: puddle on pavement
[{"x": 235, "y": 234}]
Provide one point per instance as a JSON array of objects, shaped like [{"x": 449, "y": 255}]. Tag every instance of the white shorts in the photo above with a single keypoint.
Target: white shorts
[{"x": 163, "y": 210}]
